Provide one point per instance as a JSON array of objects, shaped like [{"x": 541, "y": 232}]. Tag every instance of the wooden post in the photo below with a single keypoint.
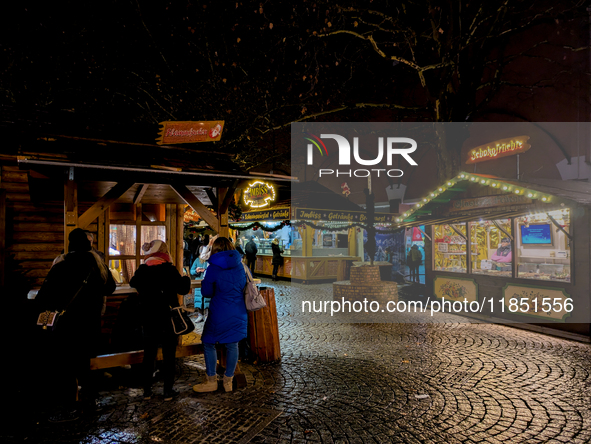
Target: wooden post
[
  {"x": 70, "y": 206},
  {"x": 180, "y": 230},
  {"x": 352, "y": 242},
  {"x": 307, "y": 241},
  {"x": 138, "y": 234},
  {"x": 222, "y": 211},
  {"x": 2, "y": 235}
]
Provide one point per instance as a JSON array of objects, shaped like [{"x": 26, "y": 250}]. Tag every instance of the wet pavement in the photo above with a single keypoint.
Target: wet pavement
[{"x": 446, "y": 382}]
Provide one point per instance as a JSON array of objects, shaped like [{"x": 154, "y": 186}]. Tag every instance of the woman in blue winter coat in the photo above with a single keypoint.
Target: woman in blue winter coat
[{"x": 227, "y": 321}]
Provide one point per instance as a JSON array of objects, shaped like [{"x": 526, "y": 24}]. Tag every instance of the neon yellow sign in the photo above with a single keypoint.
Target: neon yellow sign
[{"x": 259, "y": 194}]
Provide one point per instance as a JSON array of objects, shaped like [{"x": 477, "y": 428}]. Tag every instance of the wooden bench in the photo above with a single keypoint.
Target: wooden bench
[{"x": 136, "y": 357}]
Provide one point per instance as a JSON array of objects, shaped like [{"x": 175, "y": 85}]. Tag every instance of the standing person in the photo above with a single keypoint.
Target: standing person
[
  {"x": 76, "y": 284},
  {"x": 226, "y": 324},
  {"x": 414, "y": 261},
  {"x": 277, "y": 258},
  {"x": 239, "y": 247},
  {"x": 198, "y": 271},
  {"x": 158, "y": 283},
  {"x": 251, "y": 254}
]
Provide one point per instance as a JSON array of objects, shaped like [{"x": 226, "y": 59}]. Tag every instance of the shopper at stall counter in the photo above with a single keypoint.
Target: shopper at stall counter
[
  {"x": 503, "y": 253},
  {"x": 277, "y": 260},
  {"x": 251, "y": 254},
  {"x": 67, "y": 355},
  {"x": 158, "y": 282},
  {"x": 226, "y": 324}
]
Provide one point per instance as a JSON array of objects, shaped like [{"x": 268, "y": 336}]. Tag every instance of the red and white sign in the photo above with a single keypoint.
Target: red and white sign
[{"x": 189, "y": 132}]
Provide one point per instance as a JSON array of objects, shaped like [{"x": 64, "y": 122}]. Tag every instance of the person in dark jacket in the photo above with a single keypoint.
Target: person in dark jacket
[
  {"x": 251, "y": 254},
  {"x": 277, "y": 260},
  {"x": 158, "y": 283},
  {"x": 226, "y": 324},
  {"x": 83, "y": 274}
]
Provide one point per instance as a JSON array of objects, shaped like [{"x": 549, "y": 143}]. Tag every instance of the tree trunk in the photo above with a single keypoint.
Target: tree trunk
[{"x": 451, "y": 136}]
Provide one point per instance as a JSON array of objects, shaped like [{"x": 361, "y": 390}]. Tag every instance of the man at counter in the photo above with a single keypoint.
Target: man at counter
[{"x": 251, "y": 254}]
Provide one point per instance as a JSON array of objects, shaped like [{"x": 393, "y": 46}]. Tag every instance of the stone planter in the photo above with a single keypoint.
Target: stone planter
[{"x": 365, "y": 283}]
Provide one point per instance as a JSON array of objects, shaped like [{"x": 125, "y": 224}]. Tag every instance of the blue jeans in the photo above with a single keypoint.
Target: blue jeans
[{"x": 211, "y": 358}]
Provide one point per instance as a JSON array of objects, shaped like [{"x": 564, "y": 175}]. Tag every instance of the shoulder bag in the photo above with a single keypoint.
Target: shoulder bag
[
  {"x": 51, "y": 318},
  {"x": 181, "y": 322},
  {"x": 252, "y": 296}
]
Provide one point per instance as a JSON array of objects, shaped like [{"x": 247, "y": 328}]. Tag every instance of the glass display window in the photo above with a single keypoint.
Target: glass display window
[
  {"x": 123, "y": 257},
  {"x": 491, "y": 247},
  {"x": 449, "y": 245},
  {"x": 544, "y": 246}
]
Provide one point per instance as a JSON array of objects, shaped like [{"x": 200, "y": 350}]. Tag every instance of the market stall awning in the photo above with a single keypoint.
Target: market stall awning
[{"x": 525, "y": 197}]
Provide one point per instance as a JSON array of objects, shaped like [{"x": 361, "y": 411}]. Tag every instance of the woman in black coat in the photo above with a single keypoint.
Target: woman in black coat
[
  {"x": 158, "y": 282},
  {"x": 83, "y": 274},
  {"x": 277, "y": 258}
]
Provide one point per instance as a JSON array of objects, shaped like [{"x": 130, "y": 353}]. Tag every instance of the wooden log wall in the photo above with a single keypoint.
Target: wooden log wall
[{"x": 34, "y": 230}]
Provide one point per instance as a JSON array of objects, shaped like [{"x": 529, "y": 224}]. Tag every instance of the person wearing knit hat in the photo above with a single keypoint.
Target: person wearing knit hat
[
  {"x": 158, "y": 283},
  {"x": 78, "y": 282},
  {"x": 503, "y": 253}
]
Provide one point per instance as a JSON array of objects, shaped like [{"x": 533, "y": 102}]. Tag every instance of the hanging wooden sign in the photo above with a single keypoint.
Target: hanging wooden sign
[
  {"x": 499, "y": 148},
  {"x": 189, "y": 132}
]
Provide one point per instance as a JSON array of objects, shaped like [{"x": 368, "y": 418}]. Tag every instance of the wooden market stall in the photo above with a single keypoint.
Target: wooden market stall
[
  {"x": 518, "y": 249},
  {"x": 56, "y": 184},
  {"x": 323, "y": 238}
]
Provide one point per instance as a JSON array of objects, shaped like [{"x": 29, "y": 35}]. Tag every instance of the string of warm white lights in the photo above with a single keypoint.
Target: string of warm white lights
[{"x": 493, "y": 183}]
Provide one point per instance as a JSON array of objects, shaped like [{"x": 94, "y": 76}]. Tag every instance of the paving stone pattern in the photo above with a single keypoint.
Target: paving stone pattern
[{"x": 446, "y": 382}]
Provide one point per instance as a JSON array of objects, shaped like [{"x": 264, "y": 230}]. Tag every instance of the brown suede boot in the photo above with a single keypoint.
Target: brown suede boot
[
  {"x": 228, "y": 383},
  {"x": 210, "y": 385}
]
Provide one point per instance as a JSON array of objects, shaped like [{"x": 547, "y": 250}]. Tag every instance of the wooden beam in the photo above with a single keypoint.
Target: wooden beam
[
  {"x": 103, "y": 203},
  {"x": 140, "y": 193},
  {"x": 228, "y": 197},
  {"x": 212, "y": 197},
  {"x": 196, "y": 204}
]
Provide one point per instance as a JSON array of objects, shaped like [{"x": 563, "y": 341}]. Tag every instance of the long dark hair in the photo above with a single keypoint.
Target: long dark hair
[{"x": 221, "y": 244}]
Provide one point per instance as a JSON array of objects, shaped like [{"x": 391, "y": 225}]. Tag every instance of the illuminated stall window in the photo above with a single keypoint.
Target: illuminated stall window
[
  {"x": 491, "y": 247},
  {"x": 544, "y": 247},
  {"x": 122, "y": 256},
  {"x": 449, "y": 245}
]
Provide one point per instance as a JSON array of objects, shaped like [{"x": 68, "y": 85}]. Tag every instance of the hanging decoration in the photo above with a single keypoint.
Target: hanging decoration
[
  {"x": 346, "y": 191},
  {"x": 257, "y": 225}
]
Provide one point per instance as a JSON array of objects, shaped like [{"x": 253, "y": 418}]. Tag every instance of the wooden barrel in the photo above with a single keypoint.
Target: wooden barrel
[{"x": 263, "y": 329}]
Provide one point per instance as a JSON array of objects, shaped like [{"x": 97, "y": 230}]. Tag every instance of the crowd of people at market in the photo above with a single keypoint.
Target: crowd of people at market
[{"x": 76, "y": 288}]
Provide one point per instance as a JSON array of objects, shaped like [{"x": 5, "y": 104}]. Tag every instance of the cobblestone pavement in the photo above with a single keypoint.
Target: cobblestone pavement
[{"x": 448, "y": 382}]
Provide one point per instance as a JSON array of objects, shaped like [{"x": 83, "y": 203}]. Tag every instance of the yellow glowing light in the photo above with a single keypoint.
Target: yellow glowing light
[{"x": 259, "y": 194}]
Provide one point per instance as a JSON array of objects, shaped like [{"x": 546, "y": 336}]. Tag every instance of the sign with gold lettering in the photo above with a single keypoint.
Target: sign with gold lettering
[
  {"x": 340, "y": 216},
  {"x": 259, "y": 194},
  {"x": 499, "y": 148},
  {"x": 488, "y": 201},
  {"x": 270, "y": 214},
  {"x": 189, "y": 132}
]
